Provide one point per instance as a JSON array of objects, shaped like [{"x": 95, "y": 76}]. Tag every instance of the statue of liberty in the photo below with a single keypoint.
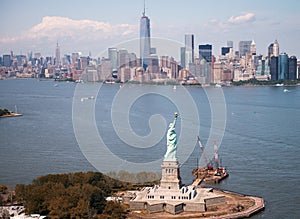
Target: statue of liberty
[{"x": 171, "y": 142}]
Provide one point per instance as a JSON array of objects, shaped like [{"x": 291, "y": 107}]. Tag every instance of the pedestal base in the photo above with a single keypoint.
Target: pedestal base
[{"x": 170, "y": 177}]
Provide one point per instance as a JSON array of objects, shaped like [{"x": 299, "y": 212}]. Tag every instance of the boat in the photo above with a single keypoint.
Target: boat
[
  {"x": 286, "y": 90},
  {"x": 213, "y": 172},
  {"x": 174, "y": 87},
  {"x": 218, "y": 85},
  {"x": 278, "y": 85}
]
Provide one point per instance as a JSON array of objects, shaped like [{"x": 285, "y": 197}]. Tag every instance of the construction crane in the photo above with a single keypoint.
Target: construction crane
[
  {"x": 208, "y": 163},
  {"x": 216, "y": 154}
]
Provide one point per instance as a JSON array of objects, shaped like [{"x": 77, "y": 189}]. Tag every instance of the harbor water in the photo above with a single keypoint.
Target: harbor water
[{"x": 260, "y": 147}]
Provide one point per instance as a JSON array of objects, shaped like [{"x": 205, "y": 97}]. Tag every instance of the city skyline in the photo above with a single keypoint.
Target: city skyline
[{"x": 98, "y": 25}]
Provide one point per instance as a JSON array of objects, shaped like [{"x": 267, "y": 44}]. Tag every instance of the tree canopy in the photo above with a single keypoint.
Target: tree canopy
[{"x": 74, "y": 195}]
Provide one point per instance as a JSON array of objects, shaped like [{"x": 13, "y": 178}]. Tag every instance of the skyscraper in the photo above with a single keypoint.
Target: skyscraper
[
  {"x": 225, "y": 50},
  {"x": 253, "y": 48},
  {"x": 57, "y": 55},
  {"x": 244, "y": 47},
  {"x": 205, "y": 52},
  {"x": 276, "y": 48},
  {"x": 145, "y": 46},
  {"x": 113, "y": 57},
  {"x": 189, "y": 49},
  {"x": 292, "y": 68},
  {"x": 270, "y": 50},
  {"x": 230, "y": 43},
  {"x": 7, "y": 60},
  {"x": 283, "y": 66},
  {"x": 182, "y": 57},
  {"x": 274, "y": 68}
]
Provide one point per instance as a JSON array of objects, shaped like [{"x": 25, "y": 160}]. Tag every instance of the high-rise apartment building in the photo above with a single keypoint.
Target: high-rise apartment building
[
  {"x": 244, "y": 47},
  {"x": 145, "y": 45},
  {"x": 205, "y": 52},
  {"x": 283, "y": 66},
  {"x": 189, "y": 49}
]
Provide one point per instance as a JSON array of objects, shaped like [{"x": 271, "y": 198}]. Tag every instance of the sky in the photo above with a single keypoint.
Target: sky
[{"x": 95, "y": 25}]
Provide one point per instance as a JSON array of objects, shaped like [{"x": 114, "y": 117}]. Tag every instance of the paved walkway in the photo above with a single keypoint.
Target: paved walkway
[{"x": 259, "y": 205}]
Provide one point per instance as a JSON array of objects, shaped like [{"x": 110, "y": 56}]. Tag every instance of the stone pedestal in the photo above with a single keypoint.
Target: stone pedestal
[{"x": 170, "y": 177}]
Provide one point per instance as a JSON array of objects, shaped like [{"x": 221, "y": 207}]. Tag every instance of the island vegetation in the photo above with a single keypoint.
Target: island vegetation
[
  {"x": 4, "y": 112},
  {"x": 255, "y": 82},
  {"x": 76, "y": 195}
]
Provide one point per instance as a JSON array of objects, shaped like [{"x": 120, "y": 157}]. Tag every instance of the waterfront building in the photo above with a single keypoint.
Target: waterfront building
[
  {"x": 292, "y": 68},
  {"x": 105, "y": 69},
  {"x": 283, "y": 66},
  {"x": 217, "y": 72},
  {"x": 263, "y": 68},
  {"x": 205, "y": 52},
  {"x": 145, "y": 44},
  {"x": 274, "y": 70},
  {"x": 244, "y": 47},
  {"x": 113, "y": 57},
  {"x": 189, "y": 49}
]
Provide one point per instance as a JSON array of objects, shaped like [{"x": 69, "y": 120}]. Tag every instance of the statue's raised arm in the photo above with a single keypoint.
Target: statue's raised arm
[{"x": 171, "y": 141}]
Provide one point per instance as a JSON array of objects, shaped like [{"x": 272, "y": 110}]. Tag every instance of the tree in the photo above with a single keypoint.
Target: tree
[
  {"x": 3, "y": 189},
  {"x": 114, "y": 210}
]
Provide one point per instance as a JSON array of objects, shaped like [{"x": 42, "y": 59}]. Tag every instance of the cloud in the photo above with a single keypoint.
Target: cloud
[
  {"x": 62, "y": 26},
  {"x": 74, "y": 32},
  {"x": 245, "y": 18}
]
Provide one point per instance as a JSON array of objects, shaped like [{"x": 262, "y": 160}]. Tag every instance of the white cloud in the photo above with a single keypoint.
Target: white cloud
[
  {"x": 62, "y": 26},
  {"x": 73, "y": 32},
  {"x": 245, "y": 18}
]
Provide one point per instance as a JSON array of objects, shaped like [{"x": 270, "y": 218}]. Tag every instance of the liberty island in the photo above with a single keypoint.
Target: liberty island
[{"x": 172, "y": 197}]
